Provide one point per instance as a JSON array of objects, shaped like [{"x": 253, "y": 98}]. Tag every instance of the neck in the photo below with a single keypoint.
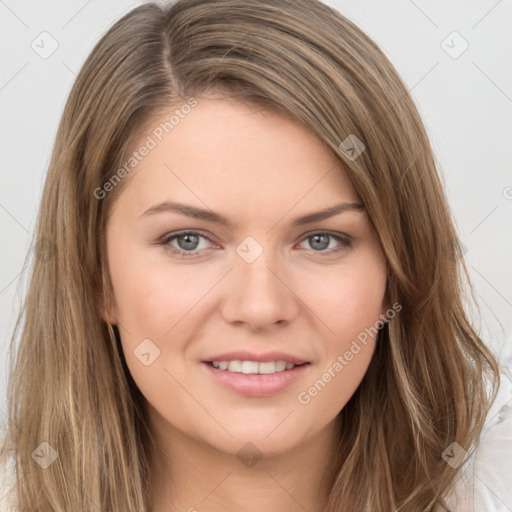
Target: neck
[{"x": 190, "y": 475}]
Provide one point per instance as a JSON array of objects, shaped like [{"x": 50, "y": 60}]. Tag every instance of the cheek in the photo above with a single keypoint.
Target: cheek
[
  {"x": 349, "y": 299},
  {"x": 155, "y": 306},
  {"x": 152, "y": 294},
  {"x": 349, "y": 304},
  {"x": 160, "y": 302}
]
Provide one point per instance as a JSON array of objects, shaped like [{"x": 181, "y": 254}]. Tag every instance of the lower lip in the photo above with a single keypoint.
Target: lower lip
[{"x": 254, "y": 384}]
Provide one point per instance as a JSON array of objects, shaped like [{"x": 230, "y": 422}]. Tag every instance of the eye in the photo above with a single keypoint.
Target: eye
[
  {"x": 319, "y": 241},
  {"x": 189, "y": 242}
]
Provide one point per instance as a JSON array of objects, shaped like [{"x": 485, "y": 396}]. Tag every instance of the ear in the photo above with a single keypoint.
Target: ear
[
  {"x": 107, "y": 303},
  {"x": 386, "y": 301},
  {"x": 386, "y": 306},
  {"x": 108, "y": 317}
]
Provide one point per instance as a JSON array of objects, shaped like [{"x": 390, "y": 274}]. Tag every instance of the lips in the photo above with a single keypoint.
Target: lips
[
  {"x": 255, "y": 385},
  {"x": 245, "y": 355}
]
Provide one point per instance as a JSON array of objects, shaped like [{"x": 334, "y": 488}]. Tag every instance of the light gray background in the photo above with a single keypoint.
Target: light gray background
[{"x": 466, "y": 103}]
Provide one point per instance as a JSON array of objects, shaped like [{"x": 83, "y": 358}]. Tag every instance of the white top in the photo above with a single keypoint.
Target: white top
[{"x": 484, "y": 483}]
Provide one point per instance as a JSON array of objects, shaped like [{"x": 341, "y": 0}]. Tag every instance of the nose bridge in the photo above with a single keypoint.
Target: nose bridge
[
  {"x": 260, "y": 296},
  {"x": 255, "y": 265}
]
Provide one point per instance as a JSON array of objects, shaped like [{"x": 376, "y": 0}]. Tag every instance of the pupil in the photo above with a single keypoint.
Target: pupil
[
  {"x": 187, "y": 243},
  {"x": 322, "y": 246}
]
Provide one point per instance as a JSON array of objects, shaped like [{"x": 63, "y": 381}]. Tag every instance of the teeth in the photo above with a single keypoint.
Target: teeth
[{"x": 253, "y": 366}]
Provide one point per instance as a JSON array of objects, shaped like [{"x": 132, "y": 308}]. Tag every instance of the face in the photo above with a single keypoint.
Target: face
[{"x": 246, "y": 275}]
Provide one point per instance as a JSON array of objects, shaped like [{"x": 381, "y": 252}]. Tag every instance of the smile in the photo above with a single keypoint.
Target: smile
[
  {"x": 265, "y": 368},
  {"x": 255, "y": 379}
]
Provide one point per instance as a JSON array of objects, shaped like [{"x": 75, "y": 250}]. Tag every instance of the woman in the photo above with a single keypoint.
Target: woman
[{"x": 191, "y": 340}]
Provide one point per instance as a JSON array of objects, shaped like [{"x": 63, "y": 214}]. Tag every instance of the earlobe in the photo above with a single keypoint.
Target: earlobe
[
  {"x": 109, "y": 318},
  {"x": 108, "y": 310},
  {"x": 386, "y": 307},
  {"x": 107, "y": 304},
  {"x": 386, "y": 300}
]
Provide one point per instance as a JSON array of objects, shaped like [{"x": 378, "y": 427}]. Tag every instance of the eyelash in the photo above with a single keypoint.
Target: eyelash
[{"x": 345, "y": 242}]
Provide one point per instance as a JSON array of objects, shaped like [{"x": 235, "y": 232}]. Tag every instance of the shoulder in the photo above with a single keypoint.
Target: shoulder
[
  {"x": 7, "y": 491},
  {"x": 484, "y": 480},
  {"x": 492, "y": 489}
]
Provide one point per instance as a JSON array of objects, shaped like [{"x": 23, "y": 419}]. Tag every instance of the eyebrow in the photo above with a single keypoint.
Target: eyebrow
[{"x": 210, "y": 216}]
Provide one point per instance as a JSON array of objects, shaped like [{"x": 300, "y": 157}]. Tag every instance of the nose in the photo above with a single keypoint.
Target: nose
[{"x": 260, "y": 294}]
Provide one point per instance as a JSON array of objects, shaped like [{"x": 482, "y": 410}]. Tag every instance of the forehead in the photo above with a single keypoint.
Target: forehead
[{"x": 226, "y": 153}]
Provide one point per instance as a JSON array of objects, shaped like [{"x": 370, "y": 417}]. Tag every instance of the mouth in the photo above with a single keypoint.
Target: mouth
[
  {"x": 254, "y": 367},
  {"x": 248, "y": 378}
]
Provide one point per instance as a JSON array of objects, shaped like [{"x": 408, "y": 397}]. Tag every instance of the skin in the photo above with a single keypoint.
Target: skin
[{"x": 260, "y": 170}]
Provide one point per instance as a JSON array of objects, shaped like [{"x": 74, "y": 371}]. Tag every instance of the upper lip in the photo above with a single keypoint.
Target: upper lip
[{"x": 244, "y": 355}]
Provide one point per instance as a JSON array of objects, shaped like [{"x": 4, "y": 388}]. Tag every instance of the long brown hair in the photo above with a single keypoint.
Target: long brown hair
[{"x": 69, "y": 385}]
